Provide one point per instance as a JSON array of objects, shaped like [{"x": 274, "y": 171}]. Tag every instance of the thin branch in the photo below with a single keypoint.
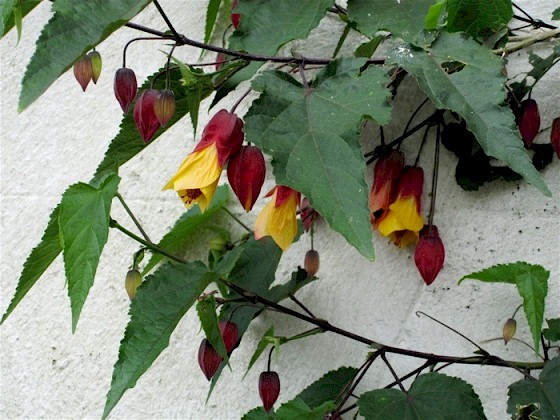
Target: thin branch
[
  {"x": 541, "y": 36},
  {"x": 134, "y": 219},
  {"x": 234, "y": 217},
  {"x": 167, "y": 21},
  {"x": 302, "y": 306},
  {"x": 397, "y": 379}
]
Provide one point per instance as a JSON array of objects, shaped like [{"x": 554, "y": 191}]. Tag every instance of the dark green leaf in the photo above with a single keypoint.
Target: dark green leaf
[
  {"x": 75, "y": 28},
  {"x": 263, "y": 344},
  {"x": 187, "y": 226},
  {"x": 211, "y": 16},
  {"x": 128, "y": 142},
  {"x": 259, "y": 414},
  {"x": 298, "y": 280},
  {"x": 367, "y": 49},
  {"x": 307, "y": 134},
  {"x": 543, "y": 393},
  {"x": 38, "y": 261},
  {"x": 556, "y": 14},
  {"x": 206, "y": 309},
  {"x": 404, "y": 19},
  {"x": 8, "y": 9},
  {"x": 432, "y": 396},
  {"x": 84, "y": 228},
  {"x": 482, "y": 108},
  {"x": 552, "y": 333},
  {"x": 160, "y": 303},
  {"x": 327, "y": 388},
  {"x": 297, "y": 409},
  {"x": 532, "y": 284},
  {"x": 478, "y": 17}
]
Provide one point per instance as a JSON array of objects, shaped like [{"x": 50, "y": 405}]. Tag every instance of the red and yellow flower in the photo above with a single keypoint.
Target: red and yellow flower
[
  {"x": 197, "y": 177},
  {"x": 278, "y": 217},
  {"x": 385, "y": 175},
  {"x": 403, "y": 221}
]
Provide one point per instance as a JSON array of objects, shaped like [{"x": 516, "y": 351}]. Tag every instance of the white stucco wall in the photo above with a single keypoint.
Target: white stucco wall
[{"x": 46, "y": 372}]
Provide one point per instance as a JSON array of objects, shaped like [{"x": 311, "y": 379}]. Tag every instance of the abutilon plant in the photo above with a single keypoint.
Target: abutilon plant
[
  {"x": 145, "y": 116},
  {"x": 269, "y": 388},
  {"x": 246, "y": 173},
  {"x": 125, "y": 87}
]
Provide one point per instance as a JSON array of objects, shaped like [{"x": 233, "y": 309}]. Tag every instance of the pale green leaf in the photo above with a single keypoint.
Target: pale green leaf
[
  {"x": 75, "y": 28},
  {"x": 478, "y": 17},
  {"x": 542, "y": 392},
  {"x": 432, "y": 396},
  {"x": 38, "y": 261},
  {"x": 84, "y": 229},
  {"x": 312, "y": 135},
  {"x": 532, "y": 284},
  {"x": 476, "y": 92},
  {"x": 7, "y": 11},
  {"x": 160, "y": 303},
  {"x": 434, "y": 14}
]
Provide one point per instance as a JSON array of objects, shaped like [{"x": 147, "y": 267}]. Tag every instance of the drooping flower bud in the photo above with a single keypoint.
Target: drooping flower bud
[
  {"x": 208, "y": 359},
  {"x": 555, "y": 136},
  {"x": 385, "y": 174},
  {"x": 220, "y": 59},
  {"x": 235, "y": 17},
  {"x": 430, "y": 254},
  {"x": 145, "y": 116},
  {"x": 307, "y": 214},
  {"x": 96, "y": 65},
  {"x": 83, "y": 71},
  {"x": 311, "y": 262},
  {"x": 164, "y": 106},
  {"x": 510, "y": 326},
  {"x": 529, "y": 121},
  {"x": 246, "y": 173},
  {"x": 230, "y": 335},
  {"x": 125, "y": 87},
  {"x": 131, "y": 283},
  {"x": 269, "y": 389}
]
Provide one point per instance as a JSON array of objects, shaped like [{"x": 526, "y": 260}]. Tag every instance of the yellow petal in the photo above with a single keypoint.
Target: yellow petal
[
  {"x": 200, "y": 169},
  {"x": 201, "y": 196},
  {"x": 402, "y": 215},
  {"x": 278, "y": 222}
]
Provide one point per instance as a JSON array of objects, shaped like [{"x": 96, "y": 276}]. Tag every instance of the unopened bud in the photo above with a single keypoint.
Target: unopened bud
[
  {"x": 144, "y": 114},
  {"x": 125, "y": 87},
  {"x": 218, "y": 244},
  {"x": 429, "y": 255},
  {"x": 529, "y": 121},
  {"x": 164, "y": 107},
  {"x": 133, "y": 280},
  {"x": 269, "y": 389},
  {"x": 246, "y": 173},
  {"x": 235, "y": 17},
  {"x": 83, "y": 71},
  {"x": 555, "y": 136},
  {"x": 96, "y": 65},
  {"x": 311, "y": 262},
  {"x": 509, "y": 330}
]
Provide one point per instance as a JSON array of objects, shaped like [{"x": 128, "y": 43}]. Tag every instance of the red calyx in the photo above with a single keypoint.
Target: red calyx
[
  {"x": 246, "y": 173},
  {"x": 144, "y": 114},
  {"x": 230, "y": 335},
  {"x": 235, "y": 17},
  {"x": 555, "y": 136},
  {"x": 430, "y": 254},
  {"x": 164, "y": 107},
  {"x": 83, "y": 71},
  {"x": 208, "y": 359},
  {"x": 307, "y": 214},
  {"x": 125, "y": 87},
  {"x": 529, "y": 121},
  {"x": 269, "y": 388}
]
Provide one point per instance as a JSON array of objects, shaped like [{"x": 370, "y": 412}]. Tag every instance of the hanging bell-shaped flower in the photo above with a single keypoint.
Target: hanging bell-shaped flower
[
  {"x": 164, "y": 106},
  {"x": 246, "y": 173},
  {"x": 269, "y": 388},
  {"x": 430, "y": 254},
  {"x": 83, "y": 71},
  {"x": 96, "y": 65},
  {"x": 529, "y": 121},
  {"x": 145, "y": 116},
  {"x": 125, "y": 87}
]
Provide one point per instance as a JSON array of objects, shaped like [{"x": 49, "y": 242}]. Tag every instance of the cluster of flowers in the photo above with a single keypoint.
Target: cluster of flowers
[{"x": 395, "y": 205}]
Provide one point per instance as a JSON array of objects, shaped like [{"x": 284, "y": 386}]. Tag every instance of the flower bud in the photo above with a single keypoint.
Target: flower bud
[
  {"x": 220, "y": 59},
  {"x": 555, "y": 136},
  {"x": 235, "y": 17},
  {"x": 311, "y": 262},
  {"x": 246, "y": 172},
  {"x": 218, "y": 244},
  {"x": 307, "y": 214},
  {"x": 230, "y": 335},
  {"x": 430, "y": 254},
  {"x": 529, "y": 121},
  {"x": 509, "y": 330},
  {"x": 208, "y": 359},
  {"x": 125, "y": 87},
  {"x": 96, "y": 65},
  {"x": 144, "y": 114},
  {"x": 83, "y": 71},
  {"x": 131, "y": 283},
  {"x": 269, "y": 388},
  {"x": 164, "y": 107}
]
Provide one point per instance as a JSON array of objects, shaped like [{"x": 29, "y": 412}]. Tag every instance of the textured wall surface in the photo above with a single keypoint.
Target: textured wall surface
[{"x": 48, "y": 372}]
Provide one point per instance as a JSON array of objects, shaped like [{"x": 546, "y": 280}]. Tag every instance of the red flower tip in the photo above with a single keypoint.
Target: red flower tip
[
  {"x": 125, "y": 87},
  {"x": 225, "y": 129},
  {"x": 164, "y": 107},
  {"x": 307, "y": 214},
  {"x": 529, "y": 121},
  {"x": 208, "y": 359},
  {"x": 144, "y": 114},
  {"x": 230, "y": 335},
  {"x": 430, "y": 254},
  {"x": 246, "y": 172},
  {"x": 269, "y": 388},
  {"x": 235, "y": 17},
  {"x": 83, "y": 71},
  {"x": 555, "y": 136}
]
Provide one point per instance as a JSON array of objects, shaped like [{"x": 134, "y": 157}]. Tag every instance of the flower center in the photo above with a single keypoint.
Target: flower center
[{"x": 190, "y": 196}]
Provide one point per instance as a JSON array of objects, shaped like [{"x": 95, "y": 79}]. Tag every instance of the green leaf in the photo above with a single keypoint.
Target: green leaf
[
  {"x": 8, "y": 9},
  {"x": 187, "y": 226},
  {"x": 160, "y": 303},
  {"x": 261, "y": 346},
  {"x": 532, "y": 284},
  {"x": 211, "y": 16},
  {"x": 434, "y": 14},
  {"x": 476, "y": 92},
  {"x": 18, "y": 20},
  {"x": 259, "y": 413},
  {"x": 297, "y": 409},
  {"x": 552, "y": 333},
  {"x": 367, "y": 49},
  {"x": 543, "y": 393},
  {"x": 206, "y": 309},
  {"x": 328, "y": 387},
  {"x": 432, "y": 396},
  {"x": 478, "y": 17},
  {"x": 298, "y": 280},
  {"x": 75, "y": 28},
  {"x": 84, "y": 228},
  {"x": 312, "y": 135},
  {"x": 556, "y": 14},
  {"x": 38, "y": 261},
  {"x": 403, "y": 18},
  {"x": 128, "y": 142}
]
